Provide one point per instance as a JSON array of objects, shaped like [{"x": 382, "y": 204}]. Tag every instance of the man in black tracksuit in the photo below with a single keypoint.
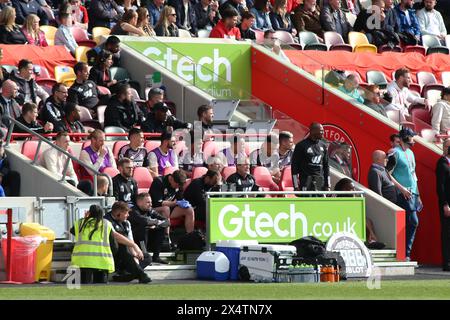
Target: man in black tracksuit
[
  {"x": 443, "y": 191},
  {"x": 125, "y": 188},
  {"x": 148, "y": 226},
  {"x": 127, "y": 268},
  {"x": 54, "y": 107},
  {"x": 310, "y": 161}
]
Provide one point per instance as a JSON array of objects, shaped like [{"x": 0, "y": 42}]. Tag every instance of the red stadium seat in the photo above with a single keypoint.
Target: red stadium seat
[
  {"x": 169, "y": 170},
  {"x": 117, "y": 145},
  {"x": 264, "y": 179},
  {"x": 111, "y": 171},
  {"x": 421, "y": 118},
  {"x": 150, "y": 145},
  {"x": 197, "y": 172},
  {"x": 286, "y": 183},
  {"x": 210, "y": 148},
  {"x": 418, "y": 49},
  {"x": 143, "y": 178},
  {"x": 82, "y": 38},
  {"x": 29, "y": 149},
  {"x": 228, "y": 171}
]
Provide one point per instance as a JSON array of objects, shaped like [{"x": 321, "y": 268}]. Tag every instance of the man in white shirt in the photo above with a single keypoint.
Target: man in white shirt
[
  {"x": 402, "y": 97},
  {"x": 431, "y": 21},
  {"x": 441, "y": 113},
  {"x": 55, "y": 161}
]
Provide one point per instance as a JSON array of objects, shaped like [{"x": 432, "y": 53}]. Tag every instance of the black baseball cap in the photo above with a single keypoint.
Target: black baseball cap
[
  {"x": 160, "y": 106},
  {"x": 406, "y": 132}
]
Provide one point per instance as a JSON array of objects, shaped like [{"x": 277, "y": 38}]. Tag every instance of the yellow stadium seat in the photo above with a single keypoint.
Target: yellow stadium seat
[
  {"x": 65, "y": 74},
  {"x": 359, "y": 42},
  {"x": 97, "y": 32},
  {"x": 50, "y": 32},
  {"x": 80, "y": 53}
]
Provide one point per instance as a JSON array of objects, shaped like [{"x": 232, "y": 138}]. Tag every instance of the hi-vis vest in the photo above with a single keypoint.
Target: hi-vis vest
[{"x": 95, "y": 253}]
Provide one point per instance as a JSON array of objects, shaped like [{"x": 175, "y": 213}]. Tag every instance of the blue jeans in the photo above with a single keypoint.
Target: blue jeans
[{"x": 412, "y": 220}]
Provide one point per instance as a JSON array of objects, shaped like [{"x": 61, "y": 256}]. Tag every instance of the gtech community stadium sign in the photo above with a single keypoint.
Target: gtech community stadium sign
[{"x": 280, "y": 220}]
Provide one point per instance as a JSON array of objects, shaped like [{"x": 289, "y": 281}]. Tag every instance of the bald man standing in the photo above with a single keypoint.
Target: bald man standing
[{"x": 379, "y": 180}]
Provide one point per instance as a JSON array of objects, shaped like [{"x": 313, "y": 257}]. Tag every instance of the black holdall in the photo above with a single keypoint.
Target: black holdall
[{"x": 194, "y": 240}]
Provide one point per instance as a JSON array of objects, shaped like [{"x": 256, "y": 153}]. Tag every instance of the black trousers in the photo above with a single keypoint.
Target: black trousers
[
  {"x": 155, "y": 239},
  {"x": 89, "y": 276},
  {"x": 445, "y": 239},
  {"x": 11, "y": 184},
  {"x": 125, "y": 263}
]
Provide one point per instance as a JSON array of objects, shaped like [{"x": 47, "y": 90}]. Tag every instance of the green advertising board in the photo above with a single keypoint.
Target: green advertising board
[
  {"x": 222, "y": 70},
  {"x": 282, "y": 220}
]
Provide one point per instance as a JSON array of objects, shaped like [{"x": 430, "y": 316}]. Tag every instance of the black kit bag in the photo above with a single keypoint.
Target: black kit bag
[{"x": 194, "y": 240}]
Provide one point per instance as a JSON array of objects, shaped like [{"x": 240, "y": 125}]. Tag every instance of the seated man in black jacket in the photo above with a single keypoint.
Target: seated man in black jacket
[
  {"x": 165, "y": 193},
  {"x": 195, "y": 193},
  {"x": 125, "y": 188},
  {"x": 122, "y": 111},
  {"x": 242, "y": 180},
  {"x": 54, "y": 107},
  {"x": 148, "y": 226},
  {"x": 127, "y": 268},
  {"x": 28, "y": 119},
  {"x": 161, "y": 121}
]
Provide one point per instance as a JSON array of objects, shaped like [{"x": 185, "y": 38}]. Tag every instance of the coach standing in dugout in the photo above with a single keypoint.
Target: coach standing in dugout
[
  {"x": 443, "y": 191},
  {"x": 310, "y": 161}
]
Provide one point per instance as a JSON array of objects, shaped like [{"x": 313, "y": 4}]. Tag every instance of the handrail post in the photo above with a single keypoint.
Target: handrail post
[
  {"x": 95, "y": 184},
  {"x": 66, "y": 167},
  {"x": 36, "y": 155},
  {"x": 8, "y": 136}
]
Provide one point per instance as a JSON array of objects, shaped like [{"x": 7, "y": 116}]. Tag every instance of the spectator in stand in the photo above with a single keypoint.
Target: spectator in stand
[
  {"x": 154, "y": 96},
  {"x": 242, "y": 180},
  {"x": 195, "y": 193},
  {"x": 266, "y": 156},
  {"x": 166, "y": 26},
  {"x": 192, "y": 156},
  {"x": 27, "y": 7},
  {"x": 101, "y": 72},
  {"x": 390, "y": 22},
  {"x": 215, "y": 163},
  {"x": 165, "y": 192},
  {"x": 205, "y": 114},
  {"x": 206, "y": 14},
  {"x": 226, "y": 27},
  {"x": 64, "y": 36},
  {"x": 122, "y": 110},
  {"x": 10, "y": 32},
  {"x": 71, "y": 120},
  {"x": 80, "y": 17},
  {"x": 112, "y": 44},
  {"x": 229, "y": 156},
  {"x": 341, "y": 158},
  {"x": 84, "y": 92},
  {"x": 127, "y": 26},
  {"x": 443, "y": 191},
  {"x": 126, "y": 5},
  {"x": 332, "y": 18},
  {"x": 31, "y": 31},
  {"x": 441, "y": 113},
  {"x": 261, "y": 11},
  {"x": 373, "y": 99},
  {"x": 8, "y": 103},
  {"x": 306, "y": 17},
  {"x": 148, "y": 226},
  {"x": 409, "y": 29},
  {"x": 127, "y": 267},
  {"x": 29, "y": 90},
  {"x": 4, "y": 4},
  {"x": 9, "y": 179},
  {"x": 155, "y": 9},
  {"x": 160, "y": 121},
  {"x": 4, "y": 75},
  {"x": 272, "y": 42},
  {"x": 185, "y": 14},
  {"x": 371, "y": 22},
  {"x": 285, "y": 149},
  {"x": 103, "y": 13},
  {"x": 29, "y": 120},
  {"x": 238, "y": 5},
  {"x": 143, "y": 22},
  {"x": 402, "y": 96},
  {"x": 164, "y": 156},
  {"x": 54, "y": 107},
  {"x": 125, "y": 188},
  {"x": 431, "y": 21},
  {"x": 245, "y": 27},
  {"x": 379, "y": 179},
  {"x": 135, "y": 150},
  {"x": 350, "y": 88},
  {"x": 55, "y": 161},
  {"x": 96, "y": 154},
  {"x": 280, "y": 18},
  {"x": 310, "y": 162}
]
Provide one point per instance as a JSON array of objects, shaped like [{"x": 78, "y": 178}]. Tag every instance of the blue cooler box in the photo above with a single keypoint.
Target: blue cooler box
[
  {"x": 232, "y": 249},
  {"x": 213, "y": 265}
]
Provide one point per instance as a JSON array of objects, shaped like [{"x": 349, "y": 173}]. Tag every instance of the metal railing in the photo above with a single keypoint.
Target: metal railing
[{"x": 14, "y": 122}]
